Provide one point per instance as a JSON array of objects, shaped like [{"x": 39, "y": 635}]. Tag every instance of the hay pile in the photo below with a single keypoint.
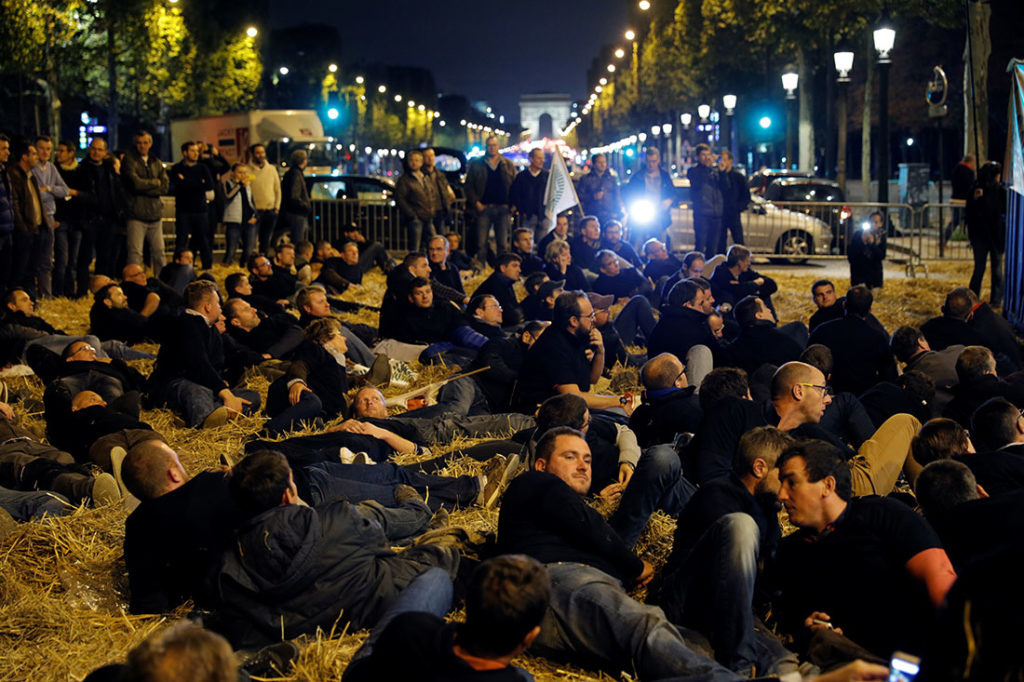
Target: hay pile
[{"x": 63, "y": 583}]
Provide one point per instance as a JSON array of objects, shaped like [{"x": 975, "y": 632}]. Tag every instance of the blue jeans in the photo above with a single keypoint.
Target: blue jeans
[
  {"x": 497, "y": 216},
  {"x": 429, "y": 592},
  {"x": 712, "y": 592},
  {"x": 233, "y": 232},
  {"x": 43, "y": 265},
  {"x": 265, "y": 223},
  {"x": 33, "y": 505},
  {"x": 414, "y": 229},
  {"x": 65, "y": 255},
  {"x": 400, "y": 524},
  {"x": 195, "y": 402},
  {"x": 657, "y": 483},
  {"x": 284, "y": 415},
  {"x": 354, "y": 482},
  {"x": 594, "y": 623},
  {"x": 636, "y": 315},
  {"x": 295, "y": 225},
  {"x": 357, "y": 350},
  {"x": 461, "y": 397},
  {"x": 192, "y": 231},
  {"x": 151, "y": 231}
]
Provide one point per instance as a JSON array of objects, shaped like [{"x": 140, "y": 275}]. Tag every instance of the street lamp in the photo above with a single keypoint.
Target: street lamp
[
  {"x": 382, "y": 89},
  {"x": 843, "y": 59},
  {"x": 283, "y": 71},
  {"x": 629, "y": 34},
  {"x": 885, "y": 38},
  {"x": 602, "y": 80},
  {"x": 686, "y": 119},
  {"x": 611, "y": 68},
  {"x": 619, "y": 53},
  {"x": 790, "y": 82},
  {"x": 729, "y": 102},
  {"x": 703, "y": 111},
  {"x": 333, "y": 68},
  {"x": 644, "y": 5},
  {"x": 360, "y": 80},
  {"x": 252, "y": 32}
]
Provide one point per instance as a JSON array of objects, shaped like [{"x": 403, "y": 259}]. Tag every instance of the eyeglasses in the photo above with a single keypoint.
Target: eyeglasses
[
  {"x": 82, "y": 348},
  {"x": 825, "y": 389}
]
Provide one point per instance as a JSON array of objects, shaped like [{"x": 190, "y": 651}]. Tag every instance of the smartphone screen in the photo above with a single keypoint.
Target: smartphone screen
[{"x": 903, "y": 667}]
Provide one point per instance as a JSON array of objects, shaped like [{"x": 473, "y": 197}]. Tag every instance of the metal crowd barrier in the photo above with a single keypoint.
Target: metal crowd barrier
[{"x": 379, "y": 221}]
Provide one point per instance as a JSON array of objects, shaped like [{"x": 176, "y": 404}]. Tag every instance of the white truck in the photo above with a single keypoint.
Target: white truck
[{"x": 281, "y": 131}]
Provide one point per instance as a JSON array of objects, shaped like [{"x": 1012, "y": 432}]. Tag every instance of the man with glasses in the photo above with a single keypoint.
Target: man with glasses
[
  {"x": 799, "y": 396},
  {"x": 568, "y": 358}
]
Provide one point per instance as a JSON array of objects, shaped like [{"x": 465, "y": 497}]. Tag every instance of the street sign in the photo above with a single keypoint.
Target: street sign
[{"x": 936, "y": 93}]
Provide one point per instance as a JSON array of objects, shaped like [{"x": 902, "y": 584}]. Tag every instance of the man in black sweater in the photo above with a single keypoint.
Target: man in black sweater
[
  {"x": 187, "y": 376},
  {"x": 733, "y": 279},
  {"x": 760, "y": 341},
  {"x": 111, "y": 318},
  {"x": 669, "y": 406},
  {"x": 191, "y": 181},
  {"x": 526, "y": 195},
  {"x": 591, "y": 618},
  {"x": 729, "y": 525},
  {"x": 866, "y": 358},
  {"x": 274, "y": 336},
  {"x": 500, "y": 285}
]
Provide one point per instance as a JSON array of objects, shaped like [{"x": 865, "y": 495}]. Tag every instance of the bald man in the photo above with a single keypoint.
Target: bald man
[
  {"x": 669, "y": 406},
  {"x": 799, "y": 396}
]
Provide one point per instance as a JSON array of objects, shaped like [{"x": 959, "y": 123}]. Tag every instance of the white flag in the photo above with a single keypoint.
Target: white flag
[{"x": 560, "y": 194}]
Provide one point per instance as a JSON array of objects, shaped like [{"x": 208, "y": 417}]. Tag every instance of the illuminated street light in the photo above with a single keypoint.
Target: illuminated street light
[
  {"x": 382, "y": 89},
  {"x": 703, "y": 110},
  {"x": 765, "y": 122},
  {"x": 412, "y": 103},
  {"x": 598, "y": 89},
  {"x": 729, "y": 102},
  {"x": 667, "y": 128},
  {"x": 462, "y": 122},
  {"x": 398, "y": 98},
  {"x": 619, "y": 53},
  {"x": 252, "y": 32},
  {"x": 333, "y": 68},
  {"x": 790, "y": 82},
  {"x": 655, "y": 130},
  {"x": 686, "y": 119},
  {"x": 844, "y": 64},
  {"x": 885, "y": 38},
  {"x": 611, "y": 68},
  {"x": 421, "y": 108},
  {"x": 629, "y": 34},
  {"x": 359, "y": 80},
  {"x": 603, "y": 81},
  {"x": 644, "y": 5},
  {"x": 333, "y": 114},
  {"x": 283, "y": 71}
]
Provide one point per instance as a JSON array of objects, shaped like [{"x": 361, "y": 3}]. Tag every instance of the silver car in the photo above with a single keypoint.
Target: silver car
[{"x": 767, "y": 229}]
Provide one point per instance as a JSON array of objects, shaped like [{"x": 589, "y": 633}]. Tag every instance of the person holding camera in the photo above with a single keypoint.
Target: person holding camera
[{"x": 866, "y": 253}]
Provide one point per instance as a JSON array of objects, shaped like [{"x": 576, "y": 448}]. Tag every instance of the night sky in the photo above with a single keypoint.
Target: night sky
[{"x": 479, "y": 48}]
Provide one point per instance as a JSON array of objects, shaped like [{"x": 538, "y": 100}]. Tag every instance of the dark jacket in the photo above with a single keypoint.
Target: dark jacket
[
  {"x": 968, "y": 396},
  {"x": 144, "y": 183},
  {"x": 323, "y": 375},
  {"x": 527, "y": 193},
  {"x": 281, "y": 284},
  {"x": 449, "y": 277},
  {"x": 173, "y": 543},
  {"x": 629, "y": 282},
  {"x": 866, "y": 260},
  {"x": 476, "y": 179},
  {"x": 192, "y": 350},
  {"x": 998, "y": 333},
  {"x": 758, "y": 344},
  {"x": 862, "y": 352},
  {"x": 735, "y": 196},
  {"x": 705, "y": 190},
  {"x": 101, "y": 194},
  {"x": 277, "y": 335},
  {"x": 610, "y": 204},
  {"x": 294, "y": 195},
  {"x": 439, "y": 178},
  {"x": 294, "y": 569},
  {"x": 23, "y": 188},
  {"x": 500, "y": 287},
  {"x": 191, "y": 183},
  {"x": 679, "y": 330},
  {"x": 729, "y": 289},
  {"x": 123, "y": 324},
  {"x": 665, "y": 413},
  {"x": 6, "y": 205},
  {"x": 412, "y": 196},
  {"x": 943, "y": 332},
  {"x": 505, "y": 358},
  {"x": 986, "y": 217},
  {"x": 574, "y": 278}
]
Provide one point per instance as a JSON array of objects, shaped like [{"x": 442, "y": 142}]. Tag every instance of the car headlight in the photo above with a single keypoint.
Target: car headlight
[{"x": 642, "y": 211}]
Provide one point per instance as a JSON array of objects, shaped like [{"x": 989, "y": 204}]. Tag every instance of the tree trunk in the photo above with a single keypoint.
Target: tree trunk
[
  {"x": 806, "y": 130},
  {"x": 977, "y": 51},
  {"x": 865, "y": 140}
]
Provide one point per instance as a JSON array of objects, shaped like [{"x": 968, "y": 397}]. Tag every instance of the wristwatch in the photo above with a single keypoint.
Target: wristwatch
[{"x": 623, "y": 401}]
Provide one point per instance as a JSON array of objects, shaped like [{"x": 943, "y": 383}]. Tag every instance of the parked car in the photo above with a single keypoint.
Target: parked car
[
  {"x": 452, "y": 163},
  {"x": 365, "y": 188},
  {"x": 760, "y": 180},
  {"x": 816, "y": 191},
  {"x": 767, "y": 229}
]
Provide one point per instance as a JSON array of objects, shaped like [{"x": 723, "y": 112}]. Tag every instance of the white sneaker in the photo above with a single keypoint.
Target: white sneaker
[{"x": 346, "y": 456}]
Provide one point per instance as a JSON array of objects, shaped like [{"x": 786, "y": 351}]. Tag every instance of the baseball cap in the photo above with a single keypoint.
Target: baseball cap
[{"x": 599, "y": 301}]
